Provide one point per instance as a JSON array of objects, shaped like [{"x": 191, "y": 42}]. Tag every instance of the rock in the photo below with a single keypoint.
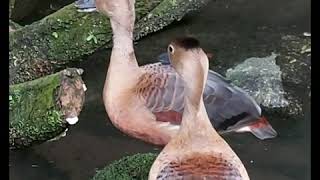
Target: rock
[
  {"x": 39, "y": 110},
  {"x": 130, "y": 167},
  {"x": 261, "y": 79},
  {"x": 295, "y": 75},
  {"x": 52, "y": 43}
]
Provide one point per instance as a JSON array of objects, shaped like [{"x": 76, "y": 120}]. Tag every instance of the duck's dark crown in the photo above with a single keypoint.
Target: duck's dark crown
[{"x": 187, "y": 42}]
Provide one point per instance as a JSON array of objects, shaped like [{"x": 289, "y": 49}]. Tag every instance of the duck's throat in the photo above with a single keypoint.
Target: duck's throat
[
  {"x": 195, "y": 121},
  {"x": 192, "y": 109},
  {"x": 194, "y": 114},
  {"x": 122, "y": 50},
  {"x": 122, "y": 37},
  {"x": 194, "y": 86}
]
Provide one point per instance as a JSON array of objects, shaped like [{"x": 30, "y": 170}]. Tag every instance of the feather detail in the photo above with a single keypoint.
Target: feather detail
[{"x": 200, "y": 166}]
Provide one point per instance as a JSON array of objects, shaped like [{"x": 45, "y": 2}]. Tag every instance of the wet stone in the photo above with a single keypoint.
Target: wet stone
[{"x": 261, "y": 79}]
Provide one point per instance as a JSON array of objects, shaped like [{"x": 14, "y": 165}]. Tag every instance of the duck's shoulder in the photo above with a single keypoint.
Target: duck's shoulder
[
  {"x": 157, "y": 68},
  {"x": 156, "y": 74},
  {"x": 199, "y": 166}
]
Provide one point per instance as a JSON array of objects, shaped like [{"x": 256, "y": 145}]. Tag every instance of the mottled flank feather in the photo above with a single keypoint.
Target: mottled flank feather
[
  {"x": 161, "y": 88},
  {"x": 199, "y": 167}
]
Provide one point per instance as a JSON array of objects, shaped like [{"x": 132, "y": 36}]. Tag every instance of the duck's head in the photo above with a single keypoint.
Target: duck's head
[
  {"x": 192, "y": 64},
  {"x": 120, "y": 12},
  {"x": 188, "y": 58}
]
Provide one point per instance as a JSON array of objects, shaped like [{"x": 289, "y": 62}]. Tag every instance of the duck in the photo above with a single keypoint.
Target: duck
[
  {"x": 146, "y": 102},
  {"x": 197, "y": 151}
]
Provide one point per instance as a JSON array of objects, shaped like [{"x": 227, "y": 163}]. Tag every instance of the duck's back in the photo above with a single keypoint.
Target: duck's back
[
  {"x": 229, "y": 107},
  {"x": 161, "y": 88},
  {"x": 226, "y": 104}
]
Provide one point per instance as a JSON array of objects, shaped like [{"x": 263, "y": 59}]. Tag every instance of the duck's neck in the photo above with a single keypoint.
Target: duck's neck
[
  {"x": 123, "y": 50},
  {"x": 122, "y": 37},
  {"x": 194, "y": 115}
]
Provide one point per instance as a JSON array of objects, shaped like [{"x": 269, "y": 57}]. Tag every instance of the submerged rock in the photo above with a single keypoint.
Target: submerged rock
[
  {"x": 295, "y": 64},
  {"x": 261, "y": 79}
]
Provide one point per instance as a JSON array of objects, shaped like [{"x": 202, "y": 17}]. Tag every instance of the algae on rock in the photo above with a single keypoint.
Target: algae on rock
[
  {"x": 38, "y": 109},
  {"x": 13, "y": 26},
  {"x": 127, "y": 168},
  {"x": 164, "y": 14},
  {"x": 279, "y": 80},
  {"x": 48, "y": 45},
  {"x": 261, "y": 78}
]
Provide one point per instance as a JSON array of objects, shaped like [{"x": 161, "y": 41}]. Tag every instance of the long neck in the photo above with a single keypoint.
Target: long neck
[
  {"x": 194, "y": 114},
  {"x": 122, "y": 37},
  {"x": 194, "y": 91},
  {"x": 123, "y": 49},
  {"x": 123, "y": 68}
]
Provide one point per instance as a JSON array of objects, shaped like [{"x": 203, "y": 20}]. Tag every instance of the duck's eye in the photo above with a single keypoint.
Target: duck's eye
[{"x": 171, "y": 49}]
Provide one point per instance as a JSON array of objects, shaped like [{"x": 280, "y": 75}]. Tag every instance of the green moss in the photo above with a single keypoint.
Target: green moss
[
  {"x": 33, "y": 114},
  {"x": 164, "y": 14},
  {"x": 49, "y": 44},
  {"x": 77, "y": 27},
  {"x": 72, "y": 30},
  {"x": 128, "y": 168},
  {"x": 59, "y": 39}
]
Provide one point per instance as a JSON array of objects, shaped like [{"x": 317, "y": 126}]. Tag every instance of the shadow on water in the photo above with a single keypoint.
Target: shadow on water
[{"x": 233, "y": 31}]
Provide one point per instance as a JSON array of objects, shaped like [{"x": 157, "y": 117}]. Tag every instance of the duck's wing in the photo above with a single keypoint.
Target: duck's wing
[
  {"x": 232, "y": 109},
  {"x": 225, "y": 104},
  {"x": 164, "y": 58},
  {"x": 162, "y": 89},
  {"x": 229, "y": 107}
]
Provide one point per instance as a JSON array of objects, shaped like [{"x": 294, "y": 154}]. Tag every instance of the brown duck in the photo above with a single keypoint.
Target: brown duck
[
  {"x": 147, "y": 102},
  {"x": 197, "y": 151}
]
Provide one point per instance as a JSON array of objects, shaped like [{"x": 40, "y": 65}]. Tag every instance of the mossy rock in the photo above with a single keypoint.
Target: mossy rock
[
  {"x": 66, "y": 36},
  {"x": 38, "y": 108},
  {"x": 128, "y": 168}
]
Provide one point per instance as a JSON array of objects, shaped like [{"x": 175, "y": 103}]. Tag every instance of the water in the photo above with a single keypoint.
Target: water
[{"x": 233, "y": 31}]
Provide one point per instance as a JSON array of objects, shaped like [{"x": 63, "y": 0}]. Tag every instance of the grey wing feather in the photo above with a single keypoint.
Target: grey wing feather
[
  {"x": 224, "y": 101},
  {"x": 164, "y": 58},
  {"x": 229, "y": 107},
  {"x": 225, "y": 104}
]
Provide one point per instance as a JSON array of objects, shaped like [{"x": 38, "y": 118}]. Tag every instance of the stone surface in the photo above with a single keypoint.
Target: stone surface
[{"x": 261, "y": 78}]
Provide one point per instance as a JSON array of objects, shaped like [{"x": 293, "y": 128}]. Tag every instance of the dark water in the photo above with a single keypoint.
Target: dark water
[
  {"x": 42, "y": 9},
  {"x": 233, "y": 31}
]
